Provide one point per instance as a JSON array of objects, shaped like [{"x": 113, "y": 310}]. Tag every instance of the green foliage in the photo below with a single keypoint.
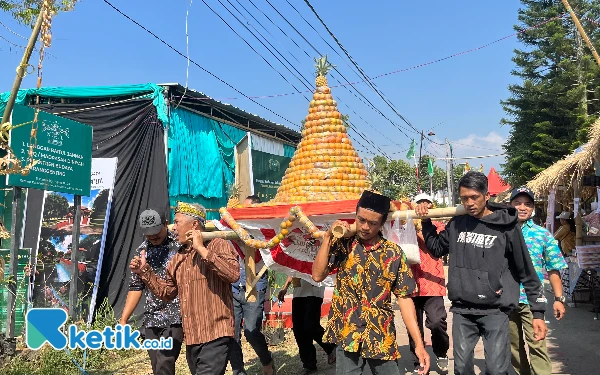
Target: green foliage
[
  {"x": 99, "y": 207},
  {"x": 26, "y": 11},
  {"x": 397, "y": 178},
  {"x": 50, "y": 362},
  {"x": 551, "y": 110},
  {"x": 56, "y": 206}
]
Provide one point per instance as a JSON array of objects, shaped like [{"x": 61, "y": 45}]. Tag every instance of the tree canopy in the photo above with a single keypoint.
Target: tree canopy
[{"x": 552, "y": 108}]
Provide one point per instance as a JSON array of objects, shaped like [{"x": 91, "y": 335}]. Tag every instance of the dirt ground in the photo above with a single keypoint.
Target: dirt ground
[{"x": 573, "y": 344}]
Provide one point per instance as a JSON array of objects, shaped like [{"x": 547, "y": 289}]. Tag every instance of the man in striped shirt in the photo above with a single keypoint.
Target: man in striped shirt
[{"x": 201, "y": 275}]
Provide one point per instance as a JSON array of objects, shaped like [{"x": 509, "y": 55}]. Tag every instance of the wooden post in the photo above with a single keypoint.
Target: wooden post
[
  {"x": 576, "y": 210},
  {"x": 15, "y": 232},
  {"x": 250, "y": 263},
  {"x": 582, "y": 31},
  {"x": 74, "y": 260}
]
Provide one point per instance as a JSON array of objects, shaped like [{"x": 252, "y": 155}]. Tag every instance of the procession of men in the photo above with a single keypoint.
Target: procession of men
[{"x": 194, "y": 292}]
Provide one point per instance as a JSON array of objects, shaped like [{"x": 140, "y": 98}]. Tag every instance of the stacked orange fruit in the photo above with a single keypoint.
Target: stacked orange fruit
[{"x": 325, "y": 166}]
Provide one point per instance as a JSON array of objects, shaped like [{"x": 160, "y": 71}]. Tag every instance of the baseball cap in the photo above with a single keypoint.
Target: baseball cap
[
  {"x": 423, "y": 197},
  {"x": 564, "y": 215},
  {"x": 151, "y": 222},
  {"x": 522, "y": 190}
]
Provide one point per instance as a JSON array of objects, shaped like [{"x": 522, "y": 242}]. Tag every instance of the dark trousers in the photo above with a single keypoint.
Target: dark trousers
[
  {"x": 209, "y": 358},
  {"x": 252, "y": 315},
  {"x": 435, "y": 312},
  {"x": 306, "y": 318},
  {"x": 163, "y": 361},
  {"x": 466, "y": 330},
  {"x": 348, "y": 363}
]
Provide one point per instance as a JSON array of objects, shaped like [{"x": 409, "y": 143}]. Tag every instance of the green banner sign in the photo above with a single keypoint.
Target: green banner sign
[
  {"x": 63, "y": 151},
  {"x": 21, "y": 284},
  {"x": 267, "y": 172}
]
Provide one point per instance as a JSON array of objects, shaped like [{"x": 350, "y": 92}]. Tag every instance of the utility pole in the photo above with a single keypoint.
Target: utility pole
[
  {"x": 420, "y": 155},
  {"x": 452, "y": 174},
  {"x": 419, "y": 162},
  {"x": 448, "y": 173}
]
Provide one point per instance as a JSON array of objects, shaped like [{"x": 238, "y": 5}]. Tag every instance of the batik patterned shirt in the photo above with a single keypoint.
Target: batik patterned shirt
[
  {"x": 361, "y": 318},
  {"x": 543, "y": 250},
  {"x": 158, "y": 313}
]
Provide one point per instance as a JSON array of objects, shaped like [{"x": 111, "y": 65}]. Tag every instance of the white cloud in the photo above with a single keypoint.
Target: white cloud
[
  {"x": 474, "y": 145},
  {"x": 490, "y": 142}
]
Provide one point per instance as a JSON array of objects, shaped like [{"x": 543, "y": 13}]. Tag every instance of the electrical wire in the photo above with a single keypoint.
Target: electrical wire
[
  {"x": 198, "y": 65},
  {"x": 481, "y": 148},
  {"x": 317, "y": 51},
  {"x": 335, "y": 69},
  {"x": 14, "y": 33},
  {"x": 361, "y": 71},
  {"x": 249, "y": 45},
  {"x": 251, "y": 15}
]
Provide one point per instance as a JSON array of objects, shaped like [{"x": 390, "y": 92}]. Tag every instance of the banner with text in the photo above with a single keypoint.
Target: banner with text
[
  {"x": 53, "y": 264},
  {"x": 62, "y": 149}
]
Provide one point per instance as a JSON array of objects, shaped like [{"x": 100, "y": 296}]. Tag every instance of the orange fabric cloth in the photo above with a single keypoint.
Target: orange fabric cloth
[{"x": 430, "y": 273}]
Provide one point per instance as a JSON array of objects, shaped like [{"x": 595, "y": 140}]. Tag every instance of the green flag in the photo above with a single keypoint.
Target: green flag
[
  {"x": 411, "y": 150},
  {"x": 430, "y": 167}
]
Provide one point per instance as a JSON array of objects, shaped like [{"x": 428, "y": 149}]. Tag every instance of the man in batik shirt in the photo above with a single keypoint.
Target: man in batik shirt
[
  {"x": 161, "y": 319},
  {"x": 369, "y": 269},
  {"x": 545, "y": 255}
]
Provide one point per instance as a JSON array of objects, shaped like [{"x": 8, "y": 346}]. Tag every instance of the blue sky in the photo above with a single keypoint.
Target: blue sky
[
  {"x": 85, "y": 201},
  {"x": 458, "y": 98}
]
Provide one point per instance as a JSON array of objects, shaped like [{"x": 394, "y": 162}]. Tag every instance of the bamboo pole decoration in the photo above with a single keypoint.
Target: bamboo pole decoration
[
  {"x": 582, "y": 31},
  {"x": 250, "y": 264},
  {"x": 258, "y": 277},
  {"x": 576, "y": 210},
  {"x": 22, "y": 68},
  {"x": 342, "y": 231},
  {"x": 224, "y": 234}
]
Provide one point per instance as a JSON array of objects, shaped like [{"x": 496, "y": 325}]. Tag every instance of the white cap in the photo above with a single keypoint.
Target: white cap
[
  {"x": 423, "y": 197},
  {"x": 564, "y": 215}
]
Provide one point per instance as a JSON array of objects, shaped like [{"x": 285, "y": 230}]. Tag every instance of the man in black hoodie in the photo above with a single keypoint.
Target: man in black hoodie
[{"x": 488, "y": 259}]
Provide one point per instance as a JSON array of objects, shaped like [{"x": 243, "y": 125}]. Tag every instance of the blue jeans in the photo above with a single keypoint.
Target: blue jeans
[{"x": 252, "y": 314}]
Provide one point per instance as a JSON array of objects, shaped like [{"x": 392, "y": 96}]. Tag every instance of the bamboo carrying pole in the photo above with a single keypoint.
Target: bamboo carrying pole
[
  {"x": 582, "y": 31},
  {"x": 340, "y": 231}
]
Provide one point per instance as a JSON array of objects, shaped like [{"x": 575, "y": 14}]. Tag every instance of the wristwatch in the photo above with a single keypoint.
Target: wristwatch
[{"x": 561, "y": 299}]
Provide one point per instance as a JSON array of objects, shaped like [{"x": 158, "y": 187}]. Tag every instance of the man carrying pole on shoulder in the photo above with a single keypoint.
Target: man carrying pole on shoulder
[
  {"x": 201, "y": 275},
  {"x": 369, "y": 269},
  {"x": 545, "y": 255},
  {"x": 488, "y": 260},
  {"x": 161, "y": 319}
]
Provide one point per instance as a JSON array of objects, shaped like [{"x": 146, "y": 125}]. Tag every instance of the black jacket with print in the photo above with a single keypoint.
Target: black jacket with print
[{"x": 488, "y": 259}]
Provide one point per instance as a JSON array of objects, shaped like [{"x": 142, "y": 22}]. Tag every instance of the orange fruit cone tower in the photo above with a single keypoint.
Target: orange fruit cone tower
[{"x": 325, "y": 166}]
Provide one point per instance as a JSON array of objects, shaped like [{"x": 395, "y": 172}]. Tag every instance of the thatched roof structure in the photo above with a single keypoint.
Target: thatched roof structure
[{"x": 562, "y": 172}]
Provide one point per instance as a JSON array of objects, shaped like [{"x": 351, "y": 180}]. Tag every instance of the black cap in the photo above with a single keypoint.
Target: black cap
[
  {"x": 375, "y": 202},
  {"x": 522, "y": 190}
]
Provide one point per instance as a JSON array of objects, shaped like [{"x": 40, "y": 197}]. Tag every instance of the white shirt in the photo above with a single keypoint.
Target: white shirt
[{"x": 307, "y": 289}]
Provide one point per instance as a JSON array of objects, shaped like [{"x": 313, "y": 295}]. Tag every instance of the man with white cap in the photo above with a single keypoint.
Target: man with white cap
[
  {"x": 548, "y": 262},
  {"x": 200, "y": 274},
  {"x": 161, "y": 319},
  {"x": 429, "y": 299}
]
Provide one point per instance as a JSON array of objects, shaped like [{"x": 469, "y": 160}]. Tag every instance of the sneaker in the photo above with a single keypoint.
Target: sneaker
[
  {"x": 442, "y": 363},
  {"x": 308, "y": 371},
  {"x": 416, "y": 371}
]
